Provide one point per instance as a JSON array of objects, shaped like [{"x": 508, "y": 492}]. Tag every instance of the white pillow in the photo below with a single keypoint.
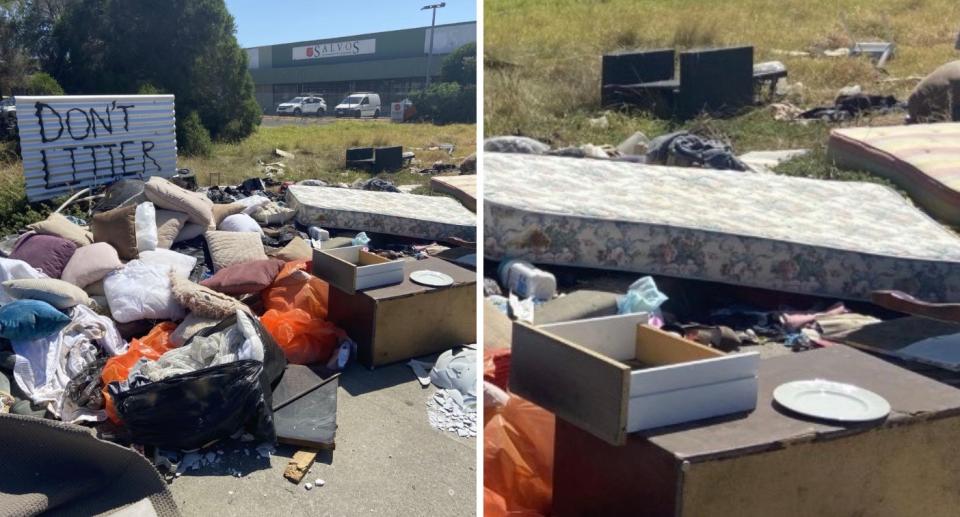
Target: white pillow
[
  {"x": 240, "y": 223},
  {"x": 141, "y": 291},
  {"x": 181, "y": 264},
  {"x": 190, "y": 231},
  {"x": 145, "y": 222},
  {"x": 13, "y": 269},
  {"x": 253, "y": 203}
]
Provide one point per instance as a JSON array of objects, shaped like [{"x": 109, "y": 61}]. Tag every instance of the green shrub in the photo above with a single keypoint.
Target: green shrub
[
  {"x": 193, "y": 139},
  {"x": 447, "y": 103},
  {"x": 42, "y": 83},
  {"x": 460, "y": 66}
]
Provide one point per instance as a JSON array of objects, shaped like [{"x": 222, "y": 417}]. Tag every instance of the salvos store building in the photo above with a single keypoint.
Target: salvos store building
[{"x": 392, "y": 64}]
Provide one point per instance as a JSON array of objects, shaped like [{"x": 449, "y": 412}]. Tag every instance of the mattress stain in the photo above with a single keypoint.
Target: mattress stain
[{"x": 534, "y": 238}]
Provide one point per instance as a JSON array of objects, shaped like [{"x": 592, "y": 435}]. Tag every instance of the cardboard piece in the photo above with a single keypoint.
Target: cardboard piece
[
  {"x": 407, "y": 320},
  {"x": 299, "y": 465},
  {"x": 352, "y": 269},
  {"x": 614, "y": 375},
  {"x": 770, "y": 462}
]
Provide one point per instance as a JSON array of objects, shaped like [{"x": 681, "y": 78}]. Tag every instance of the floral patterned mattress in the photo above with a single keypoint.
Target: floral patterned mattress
[
  {"x": 922, "y": 159},
  {"x": 407, "y": 215},
  {"x": 826, "y": 238}
]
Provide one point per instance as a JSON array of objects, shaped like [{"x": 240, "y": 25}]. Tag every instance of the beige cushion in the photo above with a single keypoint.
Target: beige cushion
[
  {"x": 169, "y": 224},
  {"x": 60, "y": 226},
  {"x": 190, "y": 231},
  {"x": 229, "y": 248},
  {"x": 163, "y": 194},
  {"x": 296, "y": 249},
  {"x": 90, "y": 264},
  {"x": 272, "y": 213},
  {"x": 58, "y": 293},
  {"x": 221, "y": 211},
  {"x": 203, "y": 301},
  {"x": 189, "y": 328},
  {"x": 118, "y": 228}
]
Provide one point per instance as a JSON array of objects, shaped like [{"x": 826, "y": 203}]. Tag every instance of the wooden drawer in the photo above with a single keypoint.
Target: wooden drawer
[
  {"x": 352, "y": 269},
  {"x": 616, "y": 375}
]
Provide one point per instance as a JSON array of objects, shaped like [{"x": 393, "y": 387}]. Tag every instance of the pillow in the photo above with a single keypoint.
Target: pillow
[
  {"x": 47, "y": 253},
  {"x": 272, "y": 213},
  {"x": 95, "y": 289},
  {"x": 58, "y": 293},
  {"x": 246, "y": 278},
  {"x": 59, "y": 226},
  {"x": 170, "y": 260},
  {"x": 190, "y": 231},
  {"x": 189, "y": 327},
  {"x": 141, "y": 291},
  {"x": 146, "y": 226},
  {"x": 169, "y": 224},
  {"x": 240, "y": 223},
  {"x": 229, "y": 248},
  {"x": 221, "y": 212},
  {"x": 13, "y": 269},
  {"x": 202, "y": 301},
  {"x": 296, "y": 249},
  {"x": 118, "y": 228},
  {"x": 167, "y": 195},
  {"x": 253, "y": 203},
  {"x": 26, "y": 320},
  {"x": 90, "y": 264}
]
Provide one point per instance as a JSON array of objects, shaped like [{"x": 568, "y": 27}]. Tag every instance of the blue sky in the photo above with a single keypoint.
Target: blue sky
[{"x": 283, "y": 21}]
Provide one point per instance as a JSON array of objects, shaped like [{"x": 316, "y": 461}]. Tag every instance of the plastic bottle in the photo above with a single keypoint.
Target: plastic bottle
[
  {"x": 318, "y": 234},
  {"x": 524, "y": 279}
]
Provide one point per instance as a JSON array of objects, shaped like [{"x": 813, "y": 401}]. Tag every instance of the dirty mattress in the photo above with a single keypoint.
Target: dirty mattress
[
  {"x": 407, "y": 215},
  {"x": 817, "y": 237},
  {"x": 922, "y": 159}
]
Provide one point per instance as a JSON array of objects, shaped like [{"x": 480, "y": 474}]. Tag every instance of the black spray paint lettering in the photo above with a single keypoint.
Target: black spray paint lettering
[{"x": 80, "y": 124}]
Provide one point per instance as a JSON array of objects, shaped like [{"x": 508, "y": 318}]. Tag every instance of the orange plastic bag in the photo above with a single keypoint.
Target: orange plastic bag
[
  {"x": 517, "y": 457},
  {"x": 295, "y": 288},
  {"x": 303, "y": 338},
  {"x": 151, "y": 346}
]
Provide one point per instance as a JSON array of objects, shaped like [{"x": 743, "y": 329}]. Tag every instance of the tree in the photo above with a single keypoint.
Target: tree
[
  {"x": 185, "y": 47},
  {"x": 460, "y": 66},
  {"x": 15, "y": 63}
]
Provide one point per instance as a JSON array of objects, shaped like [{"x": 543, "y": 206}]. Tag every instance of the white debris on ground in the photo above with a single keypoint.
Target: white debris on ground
[
  {"x": 453, "y": 407},
  {"x": 447, "y": 411}
]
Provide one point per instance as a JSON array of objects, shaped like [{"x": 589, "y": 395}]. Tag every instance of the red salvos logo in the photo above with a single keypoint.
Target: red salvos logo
[{"x": 309, "y": 51}]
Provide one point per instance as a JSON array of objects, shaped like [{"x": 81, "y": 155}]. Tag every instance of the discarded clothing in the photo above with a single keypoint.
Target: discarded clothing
[
  {"x": 377, "y": 184},
  {"x": 849, "y": 106},
  {"x": 514, "y": 144},
  {"x": 684, "y": 149}
]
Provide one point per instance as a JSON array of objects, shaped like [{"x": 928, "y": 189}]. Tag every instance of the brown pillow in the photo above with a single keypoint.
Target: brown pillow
[
  {"x": 118, "y": 228},
  {"x": 165, "y": 194},
  {"x": 296, "y": 249},
  {"x": 246, "y": 278},
  {"x": 221, "y": 212},
  {"x": 60, "y": 226},
  {"x": 229, "y": 248},
  {"x": 169, "y": 224},
  {"x": 201, "y": 301}
]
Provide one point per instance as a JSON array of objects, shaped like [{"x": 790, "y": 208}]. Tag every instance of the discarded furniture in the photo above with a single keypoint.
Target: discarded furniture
[
  {"x": 767, "y": 74},
  {"x": 615, "y": 375},
  {"x": 352, "y": 269},
  {"x": 406, "y": 320},
  {"x": 771, "y": 462},
  {"x": 380, "y": 159},
  {"x": 918, "y": 158},
  {"x": 807, "y": 236},
  {"x": 916, "y": 339},
  {"x": 388, "y": 159},
  {"x": 710, "y": 80},
  {"x": 406, "y": 215},
  {"x": 463, "y": 187},
  {"x": 878, "y": 51},
  {"x": 305, "y": 406}
]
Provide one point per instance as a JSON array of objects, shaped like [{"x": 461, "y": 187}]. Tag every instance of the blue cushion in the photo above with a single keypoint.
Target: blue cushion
[{"x": 26, "y": 320}]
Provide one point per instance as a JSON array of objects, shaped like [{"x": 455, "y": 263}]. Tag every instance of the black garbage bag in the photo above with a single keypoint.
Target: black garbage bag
[
  {"x": 121, "y": 193},
  {"x": 195, "y": 409}
]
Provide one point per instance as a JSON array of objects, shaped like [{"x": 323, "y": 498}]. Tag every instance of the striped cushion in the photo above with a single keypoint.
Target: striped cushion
[{"x": 922, "y": 159}]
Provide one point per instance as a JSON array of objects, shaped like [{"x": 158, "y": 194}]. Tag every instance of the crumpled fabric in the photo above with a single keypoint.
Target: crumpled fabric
[
  {"x": 236, "y": 343},
  {"x": 683, "y": 149},
  {"x": 45, "y": 366}
]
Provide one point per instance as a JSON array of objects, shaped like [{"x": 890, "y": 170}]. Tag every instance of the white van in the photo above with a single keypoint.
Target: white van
[{"x": 360, "y": 104}]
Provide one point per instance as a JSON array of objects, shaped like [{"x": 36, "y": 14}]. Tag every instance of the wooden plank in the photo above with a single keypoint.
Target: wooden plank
[
  {"x": 577, "y": 384},
  {"x": 656, "y": 347},
  {"x": 300, "y": 464},
  {"x": 463, "y": 188},
  {"x": 697, "y": 373},
  {"x": 691, "y": 404},
  {"x": 497, "y": 327},
  {"x": 611, "y": 336}
]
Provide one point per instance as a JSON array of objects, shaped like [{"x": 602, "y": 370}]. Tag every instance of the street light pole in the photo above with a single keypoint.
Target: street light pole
[{"x": 433, "y": 25}]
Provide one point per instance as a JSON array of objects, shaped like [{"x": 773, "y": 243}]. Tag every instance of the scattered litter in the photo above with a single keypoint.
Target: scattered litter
[
  {"x": 308, "y": 486},
  {"x": 283, "y": 154},
  {"x": 319, "y": 482},
  {"x": 421, "y": 370}
]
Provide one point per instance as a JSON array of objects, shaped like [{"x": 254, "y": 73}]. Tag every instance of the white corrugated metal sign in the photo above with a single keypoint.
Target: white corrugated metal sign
[{"x": 72, "y": 142}]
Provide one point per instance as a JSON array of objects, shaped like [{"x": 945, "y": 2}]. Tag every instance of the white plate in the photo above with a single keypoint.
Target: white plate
[
  {"x": 431, "y": 278},
  {"x": 831, "y": 400}
]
